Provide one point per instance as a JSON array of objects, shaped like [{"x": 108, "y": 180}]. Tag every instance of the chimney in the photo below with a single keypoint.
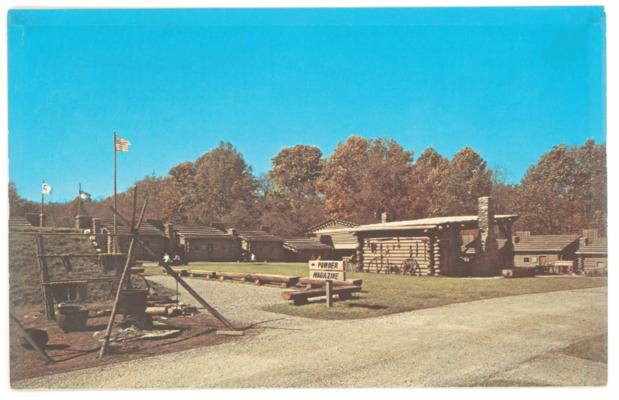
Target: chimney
[
  {"x": 231, "y": 231},
  {"x": 384, "y": 218},
  {"x": 583, "y": 241},
  {"x": 168, "y": 231},
  {"x": 590, "y": 234},
  {"x": 485, "y": 215}
]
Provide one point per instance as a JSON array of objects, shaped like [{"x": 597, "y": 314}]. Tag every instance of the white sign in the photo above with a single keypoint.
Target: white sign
[{"x": 324, "y": 269}]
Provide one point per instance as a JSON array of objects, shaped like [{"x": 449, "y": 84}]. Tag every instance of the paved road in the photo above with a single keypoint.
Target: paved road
[{"x": 511, "y": 339}]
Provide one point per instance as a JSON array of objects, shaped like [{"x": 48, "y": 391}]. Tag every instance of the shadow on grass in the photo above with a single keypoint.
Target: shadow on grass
[{"x": 368, "y": 306}]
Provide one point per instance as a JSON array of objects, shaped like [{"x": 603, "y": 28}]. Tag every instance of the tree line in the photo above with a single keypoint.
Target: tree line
[{"x": 564, "y": 192}]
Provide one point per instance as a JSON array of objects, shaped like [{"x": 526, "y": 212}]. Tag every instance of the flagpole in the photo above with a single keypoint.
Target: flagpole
[
  {"x": 79, "y": 201},
  {"x": 42, "y": 200},
  {"x": 114, "y": 245}
]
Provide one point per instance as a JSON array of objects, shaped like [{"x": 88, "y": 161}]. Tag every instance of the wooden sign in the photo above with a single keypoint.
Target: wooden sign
[{"x": 324, "y": 269}]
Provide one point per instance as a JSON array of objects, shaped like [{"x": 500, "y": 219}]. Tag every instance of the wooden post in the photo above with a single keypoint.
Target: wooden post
[
  {"x": 177, "y": 277},
  {"x": 48, "y": 300},
  {"x": 329, "y": 291},
  {"x": 32, "y": 342},
  {"x": 115, "y": 239},
  {"x": 110, "y": 323}
]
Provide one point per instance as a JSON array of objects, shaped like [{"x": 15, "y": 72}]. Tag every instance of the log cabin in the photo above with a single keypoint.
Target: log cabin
[
  {"x": 592, "y": 255},
  {"x": 543, "y": 251},
  {"x": 149, "y": 234},
  {"x": 305, "y": 249},
  {"x": 336, "y": 233},
  {"x": 433, "y": 246},
  {"x": 263, "y": 245},
  {"x": 206, "y": 243}
]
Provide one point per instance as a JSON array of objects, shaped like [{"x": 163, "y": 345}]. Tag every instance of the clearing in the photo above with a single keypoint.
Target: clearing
[{"x": 389, "y": 294}]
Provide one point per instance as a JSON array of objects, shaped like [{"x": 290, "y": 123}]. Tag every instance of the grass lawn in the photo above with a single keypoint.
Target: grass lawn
[{"x": 388, "y": 294}]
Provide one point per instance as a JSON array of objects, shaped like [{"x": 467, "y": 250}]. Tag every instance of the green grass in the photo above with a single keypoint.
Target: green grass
[{"x": 388, "y": 294}]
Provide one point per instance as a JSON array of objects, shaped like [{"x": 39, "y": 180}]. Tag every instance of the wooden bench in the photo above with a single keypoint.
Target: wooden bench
[
  {"x": 299, "y": 297},
  {"x": 319, "y": 283}
]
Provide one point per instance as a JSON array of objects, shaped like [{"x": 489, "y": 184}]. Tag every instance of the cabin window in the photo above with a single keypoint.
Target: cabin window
[
  {"x": 373, "y": 247},
  {"x": 600, "y": 264},
  {"x": 534, "y": 259},
  {"x": 526, "y": 259}
]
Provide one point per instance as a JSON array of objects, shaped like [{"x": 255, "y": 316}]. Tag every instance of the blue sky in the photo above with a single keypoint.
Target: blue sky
[{"x": 510, "y": 82}]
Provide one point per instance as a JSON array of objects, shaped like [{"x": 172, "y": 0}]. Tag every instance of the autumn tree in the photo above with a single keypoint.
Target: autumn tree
[
  {"x": 565, "y": 191},
  {"x": 291, "y": 200},
  {"x": 364, "y": 177},
  {"x": 465, "y": 179},
  {"x": 427, "y": 182}
]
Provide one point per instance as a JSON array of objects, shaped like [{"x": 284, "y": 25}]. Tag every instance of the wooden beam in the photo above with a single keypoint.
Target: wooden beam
[
  {"x": 123, "y": 277},
  {"x": 48, "y": 301},
  {"x": 180, "y": 280}
]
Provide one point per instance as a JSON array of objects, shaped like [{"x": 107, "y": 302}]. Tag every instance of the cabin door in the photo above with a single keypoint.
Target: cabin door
[{"x": 542, "y": 260}]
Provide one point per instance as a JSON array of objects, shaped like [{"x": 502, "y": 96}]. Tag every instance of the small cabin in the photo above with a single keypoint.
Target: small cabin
[
  {"x": 592, "y": 255},
  {"x": 338, "y": 234},
  {"x": 305, "y": 249},
  {"x": 544, "y": 251},
  {"x": 149, "y": 235},
  {"x": 263, "y": 245},
  {"x": 206, "y": 243}
]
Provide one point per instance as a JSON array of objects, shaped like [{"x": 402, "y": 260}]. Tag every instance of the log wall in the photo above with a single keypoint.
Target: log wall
[{"x": 381, "y": 253}]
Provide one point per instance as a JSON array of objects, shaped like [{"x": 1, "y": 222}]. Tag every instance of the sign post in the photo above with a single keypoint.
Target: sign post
[{"x": 327, "y": 270}]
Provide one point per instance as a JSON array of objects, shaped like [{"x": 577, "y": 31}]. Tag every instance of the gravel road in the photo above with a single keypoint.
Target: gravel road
[{"x": 510, "y": 339}]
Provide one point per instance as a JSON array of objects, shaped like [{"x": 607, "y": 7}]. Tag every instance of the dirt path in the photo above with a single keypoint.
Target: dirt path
[{"x": 508, "y": 340}]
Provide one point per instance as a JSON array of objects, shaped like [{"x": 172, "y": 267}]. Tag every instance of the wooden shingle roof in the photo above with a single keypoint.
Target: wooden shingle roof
[
  {"x": 549, "y": 243},
  {"x": 466, "y": 221},
  {"x": 259, "y": 236},
  {"x": 341, "y": 239},
  {"x": 297, "y": 245},
  {"x": 146, "y": 229},
  {"x": 595, "y": 246},
  {"x": 201, "y": 232},
  {"x": 19, "y": 223},
  {"x": 333, "y": 223}
]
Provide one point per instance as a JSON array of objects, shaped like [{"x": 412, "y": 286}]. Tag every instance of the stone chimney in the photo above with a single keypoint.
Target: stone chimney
[
  {"x": 590, "y": 234},
  {"x": 487, "y": 260},
  {"x": 168, "y": 231},
  {"x": 485, "y": 215},
  {"x": 384, "y": 217},
  {"x": 583, "y": 241}
]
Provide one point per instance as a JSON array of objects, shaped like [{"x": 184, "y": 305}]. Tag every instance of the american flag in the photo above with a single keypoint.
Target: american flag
[{"x": 122, "y": 144}]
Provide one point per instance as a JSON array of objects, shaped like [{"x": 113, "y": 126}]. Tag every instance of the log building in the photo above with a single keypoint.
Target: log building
[
  {"x": 592, "y": 255},
  {"x": 433, "y": 246},
  {"x": 306, "y": 249},
  {"x": 263, "y": 245},
  {"x": 544, "y": 251},
  {"x": 206, "y": 243}
]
